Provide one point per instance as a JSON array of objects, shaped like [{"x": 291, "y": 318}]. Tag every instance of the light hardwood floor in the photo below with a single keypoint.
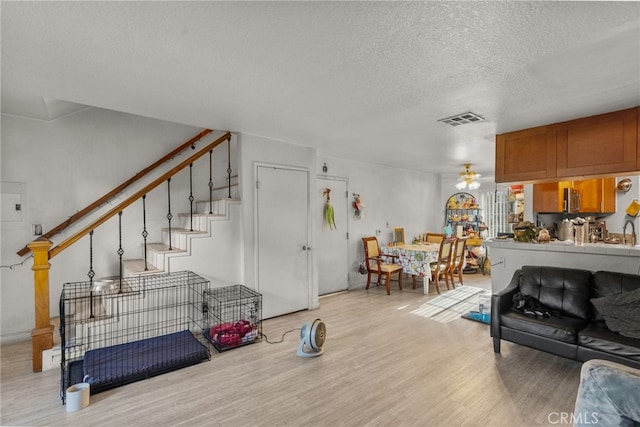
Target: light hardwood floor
[{"x": 383, "y": 366}]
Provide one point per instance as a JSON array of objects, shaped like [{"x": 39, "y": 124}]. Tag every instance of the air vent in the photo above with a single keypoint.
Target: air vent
[{"x": 462, "y": 119}]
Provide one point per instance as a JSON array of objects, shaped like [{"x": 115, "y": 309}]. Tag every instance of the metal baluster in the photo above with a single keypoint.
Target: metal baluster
[
  {"x": 91, "y": 274},
  {"x": 120, "y": 250},
  {"x": 191, "y": 193},
  {"x": 229, "y": 165},
  {"x": 145, "y": 234},
  {"x": 210, "y": 182},
  {"x": 169, "y": 216}
]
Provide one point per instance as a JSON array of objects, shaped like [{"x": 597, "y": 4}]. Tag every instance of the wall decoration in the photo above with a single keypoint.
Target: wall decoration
[
  {"x": 358, "y": 207},
  {"x": 329, "y": 218}
]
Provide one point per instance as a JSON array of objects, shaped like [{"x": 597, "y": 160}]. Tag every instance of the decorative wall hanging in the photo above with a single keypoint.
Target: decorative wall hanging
[
  {"x": 358, "y": 207},
  {"x": 329, "y": 218}
]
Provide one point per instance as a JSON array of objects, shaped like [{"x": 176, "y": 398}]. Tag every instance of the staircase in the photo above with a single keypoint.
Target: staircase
[
  {"x": 179, "y": 240},
  {"x": 160, "y": 253}
]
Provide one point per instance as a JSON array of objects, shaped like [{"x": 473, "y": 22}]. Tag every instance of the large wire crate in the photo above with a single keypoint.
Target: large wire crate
[
  {"x": 118, "y": 331},
  {"x": 233, "y": 316}
]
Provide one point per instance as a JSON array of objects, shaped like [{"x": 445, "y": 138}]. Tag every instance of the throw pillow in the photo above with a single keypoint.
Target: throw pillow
[{"x": 621, "y": 312}]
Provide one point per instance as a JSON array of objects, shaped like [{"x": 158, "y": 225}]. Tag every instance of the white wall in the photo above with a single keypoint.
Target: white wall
[
  {"x": 65, "y": 164},
  {"x": 392, "y": 198}
]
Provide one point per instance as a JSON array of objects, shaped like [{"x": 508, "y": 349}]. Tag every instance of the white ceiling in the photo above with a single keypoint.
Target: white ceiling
[{"x": 359, "y": 80}]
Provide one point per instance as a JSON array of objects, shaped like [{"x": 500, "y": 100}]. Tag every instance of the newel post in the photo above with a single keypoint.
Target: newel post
[{"x": 42, "y": 334}]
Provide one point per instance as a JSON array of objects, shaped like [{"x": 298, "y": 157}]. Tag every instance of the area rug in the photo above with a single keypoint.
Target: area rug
[{"x": 452, "y": 304}]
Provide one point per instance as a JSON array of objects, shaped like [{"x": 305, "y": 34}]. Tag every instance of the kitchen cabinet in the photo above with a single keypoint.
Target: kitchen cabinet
[
  {"x": 606, "y": 144},
  {"x": 596, "y": 195},
  {"x": 602, "y": 144},
  {"x": 526, "y": 155},
  {"x": 548, "y": 197}
]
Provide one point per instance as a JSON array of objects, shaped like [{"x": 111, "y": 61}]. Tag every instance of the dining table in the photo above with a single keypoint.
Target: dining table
[{"x": 415, "y": 258}]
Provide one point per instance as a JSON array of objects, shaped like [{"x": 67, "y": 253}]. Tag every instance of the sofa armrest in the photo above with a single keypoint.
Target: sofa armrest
[{"x": 502, "y": 301}]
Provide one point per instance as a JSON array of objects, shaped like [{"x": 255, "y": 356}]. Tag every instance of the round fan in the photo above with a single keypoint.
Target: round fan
[{"x": 312, "y": 336}]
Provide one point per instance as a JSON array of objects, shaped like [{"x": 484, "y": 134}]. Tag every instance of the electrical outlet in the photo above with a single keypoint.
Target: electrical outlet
[{"x": 37, "y": 229}]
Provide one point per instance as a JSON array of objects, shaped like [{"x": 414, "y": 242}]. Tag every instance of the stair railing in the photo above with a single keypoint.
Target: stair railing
[
  {"x": 117, "y": 190},
  {"x": 43, "y": 252}
]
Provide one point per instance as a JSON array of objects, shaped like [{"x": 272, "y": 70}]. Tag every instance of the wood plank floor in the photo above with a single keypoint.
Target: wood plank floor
[{"x": 383, "y": 366}]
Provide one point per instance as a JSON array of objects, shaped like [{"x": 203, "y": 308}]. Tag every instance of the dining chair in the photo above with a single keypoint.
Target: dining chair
[
  {"x": 457, "y": 260},
  {"x": 440, "y": 268},
  {"x": 374, "y": 261},
  {"x": 434, "y": 237}
]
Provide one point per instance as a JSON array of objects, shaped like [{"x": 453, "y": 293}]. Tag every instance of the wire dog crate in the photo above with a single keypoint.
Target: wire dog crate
[
  {"x": 114, "y": 332},
  {"x": 233, "y": 316}
]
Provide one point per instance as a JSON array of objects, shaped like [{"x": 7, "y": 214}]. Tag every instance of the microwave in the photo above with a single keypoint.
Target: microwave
[{"x": 571, "y": 200}]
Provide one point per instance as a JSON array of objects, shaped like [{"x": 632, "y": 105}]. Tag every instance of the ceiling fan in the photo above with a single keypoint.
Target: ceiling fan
[{"x": 468, "y": 179}]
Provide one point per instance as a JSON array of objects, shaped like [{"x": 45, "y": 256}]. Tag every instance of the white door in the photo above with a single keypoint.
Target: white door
[
  {"x": 282, "y": 240},
  {"x": 332, "y": 246}
]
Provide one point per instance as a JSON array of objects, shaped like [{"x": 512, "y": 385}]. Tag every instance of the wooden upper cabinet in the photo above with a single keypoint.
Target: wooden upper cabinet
[
  {"x": 548, "y": 197},
  {"x": 603, "y": 144},
  {"x": 596, "y": 195},
  {"x": 526, "y": 155}
]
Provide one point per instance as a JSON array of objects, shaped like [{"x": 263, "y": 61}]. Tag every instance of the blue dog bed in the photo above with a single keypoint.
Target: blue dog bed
[{"x": 120, "y": 364}]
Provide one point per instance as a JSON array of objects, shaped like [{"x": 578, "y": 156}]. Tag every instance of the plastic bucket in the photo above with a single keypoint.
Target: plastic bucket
[{"x": 77, "y": 397}]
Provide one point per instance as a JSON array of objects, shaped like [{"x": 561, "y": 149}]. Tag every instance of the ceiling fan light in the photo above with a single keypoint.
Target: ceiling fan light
[{"x": 467, "y": 179}]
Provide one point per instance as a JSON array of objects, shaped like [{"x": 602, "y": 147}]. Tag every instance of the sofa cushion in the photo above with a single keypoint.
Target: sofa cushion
[
  {"x": 558, "y": 328},
  {"x": 606, "y": 283},
  {"x": 621, "y": 312},
  {"x": 565, "y": 290},
  {"x": 598, "y": 337}
]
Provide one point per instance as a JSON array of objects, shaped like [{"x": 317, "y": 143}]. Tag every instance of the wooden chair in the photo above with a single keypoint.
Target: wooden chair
[
  {"x": 434, "y": 238},
  {"x": 375, "y": 264},
  {"x": 457, "y": 260},
  {"x": 440, "y": 268}
]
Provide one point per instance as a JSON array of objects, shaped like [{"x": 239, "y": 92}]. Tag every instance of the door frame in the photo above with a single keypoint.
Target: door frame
[{"x": 312, "y": 297}]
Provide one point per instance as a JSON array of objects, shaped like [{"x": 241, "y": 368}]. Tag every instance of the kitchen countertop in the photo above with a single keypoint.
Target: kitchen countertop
[
  {"x": 507, "y": 256},
  {"x": 566, "y": 246}
]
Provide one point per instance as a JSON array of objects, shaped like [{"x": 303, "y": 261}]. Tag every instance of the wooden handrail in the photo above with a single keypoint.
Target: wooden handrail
[
  {"x": 71, "y": 240},
  {"x": 80, "y": 214}
]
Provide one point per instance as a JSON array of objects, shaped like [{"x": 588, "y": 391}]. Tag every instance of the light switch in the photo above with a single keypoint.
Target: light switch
[{"x": 11, "y": 207}]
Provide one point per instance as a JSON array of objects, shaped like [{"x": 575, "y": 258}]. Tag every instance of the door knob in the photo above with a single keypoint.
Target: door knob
[{"x": 306, "y": 248}]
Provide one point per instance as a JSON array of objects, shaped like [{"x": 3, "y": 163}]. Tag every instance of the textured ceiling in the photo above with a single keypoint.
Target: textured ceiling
[{"x": 359, "y": 80}]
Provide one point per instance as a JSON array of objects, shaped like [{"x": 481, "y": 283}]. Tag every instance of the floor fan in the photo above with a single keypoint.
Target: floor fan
[{"x": 312, "y": 336}]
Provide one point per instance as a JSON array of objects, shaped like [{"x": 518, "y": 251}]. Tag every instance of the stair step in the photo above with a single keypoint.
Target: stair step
[
  {"x": 200, "y": 215},
  {"x": 183, "y": 231},
  {"x": 163, "y": 248},
  {"x": 135, "y": 267}
]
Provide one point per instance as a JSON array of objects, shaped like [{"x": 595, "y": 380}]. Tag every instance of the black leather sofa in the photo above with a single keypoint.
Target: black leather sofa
[{"x": 575, "y": 329}]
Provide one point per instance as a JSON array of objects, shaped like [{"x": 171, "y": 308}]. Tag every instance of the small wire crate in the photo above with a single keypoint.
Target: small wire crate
[{"x": 233, "y": 316}]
